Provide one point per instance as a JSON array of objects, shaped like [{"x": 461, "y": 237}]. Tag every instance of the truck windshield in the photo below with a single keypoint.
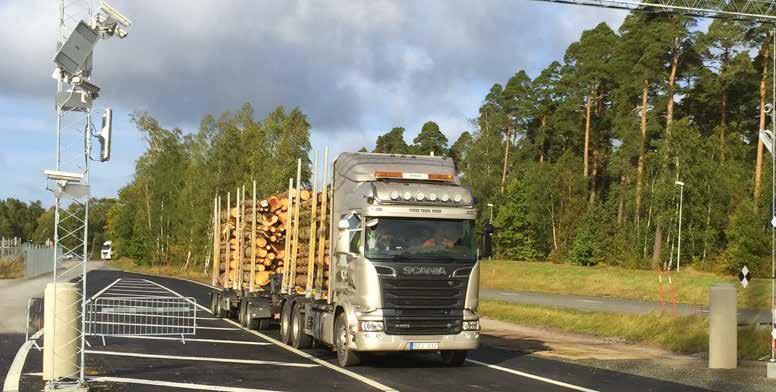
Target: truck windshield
[{"x": 409, "y": 239}]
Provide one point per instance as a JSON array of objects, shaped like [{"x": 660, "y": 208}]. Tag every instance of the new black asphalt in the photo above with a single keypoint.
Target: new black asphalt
[{"x": 274, "y": 367}]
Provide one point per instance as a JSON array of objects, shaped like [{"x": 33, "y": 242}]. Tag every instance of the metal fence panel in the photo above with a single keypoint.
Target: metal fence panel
[
  {"x": 142, "y": 316},
  {"x": 38, "y": 259}
]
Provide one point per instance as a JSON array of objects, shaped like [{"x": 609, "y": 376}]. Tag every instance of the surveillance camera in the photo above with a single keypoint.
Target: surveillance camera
[
  {"x": 121, "y": 32},
  {"x": 115, "y": 15}
]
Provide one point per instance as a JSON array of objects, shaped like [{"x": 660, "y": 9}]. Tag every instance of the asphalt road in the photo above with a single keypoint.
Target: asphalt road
[
  {"x": 224, "y": 357},
  {"x": 613, "y": 305}
]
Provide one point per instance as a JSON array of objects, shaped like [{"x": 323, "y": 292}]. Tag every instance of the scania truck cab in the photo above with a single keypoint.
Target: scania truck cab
[{"x": 404, "y": 271}]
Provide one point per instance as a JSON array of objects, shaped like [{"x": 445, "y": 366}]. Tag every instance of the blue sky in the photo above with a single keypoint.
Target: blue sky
[{"x": 357, "y": 68}]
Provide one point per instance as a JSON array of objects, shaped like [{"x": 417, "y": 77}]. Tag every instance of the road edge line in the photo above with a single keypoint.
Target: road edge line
[
  {"x": 11, "y": 383},
  {"x": 532, "y": 376},
  {"x": 303, "y": 354},
  {"x": 319, "y": 361}
]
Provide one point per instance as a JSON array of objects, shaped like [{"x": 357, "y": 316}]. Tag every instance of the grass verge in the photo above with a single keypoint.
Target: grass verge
[
  {"x": 686, "y": 334},
  {"x": 11, "y": 269},
  {"x": 690, "y": 286},
  {"x": 172, "y": 271}
]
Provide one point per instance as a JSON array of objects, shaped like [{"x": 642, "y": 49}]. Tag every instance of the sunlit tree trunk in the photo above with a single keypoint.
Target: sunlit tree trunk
[
  {"x": 588, "y": 104},
  {"x": 758, "y": 166},
  {"x": 640, "y": 167},
  {"x": 506, "y": 159}
]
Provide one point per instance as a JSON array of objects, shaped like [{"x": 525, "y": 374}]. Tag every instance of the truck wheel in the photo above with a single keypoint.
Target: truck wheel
[
  {"x": 299, "y": 339},
  {"x": 285, "y": 323},
  {"x": 213, "y": 303},
  {"x": 220, "y": 311},
  {"x": 263, "y": 324},
  {"x": 345, "y": 356},
  {"x": 241, "y": 315},
  {"x": 453, "y": 357}
]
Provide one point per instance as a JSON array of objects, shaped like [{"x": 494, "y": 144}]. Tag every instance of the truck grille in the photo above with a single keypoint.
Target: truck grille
[{"x": 423, "y": 306}]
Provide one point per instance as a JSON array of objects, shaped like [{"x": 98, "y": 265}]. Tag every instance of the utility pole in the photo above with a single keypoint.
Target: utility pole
[{"x": 79, "y": 30}]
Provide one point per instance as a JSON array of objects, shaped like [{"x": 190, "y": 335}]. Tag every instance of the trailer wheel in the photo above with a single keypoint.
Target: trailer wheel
[
  {"x": 345, "y": 356},
  {"x": 453, "y": 357},
  {"x": 214, "y": 303},
  {"x": 241, "y": 314},
  {"x": 299, "y": 339},
  {"x": 285, "y": 323}
]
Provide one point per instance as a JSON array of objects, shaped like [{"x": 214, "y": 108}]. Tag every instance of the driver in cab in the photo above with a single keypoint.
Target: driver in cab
[{"x": 438, "y": 241}]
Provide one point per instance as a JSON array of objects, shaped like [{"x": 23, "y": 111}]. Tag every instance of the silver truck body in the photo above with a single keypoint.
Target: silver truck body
[{"x": 422, "y": 302}]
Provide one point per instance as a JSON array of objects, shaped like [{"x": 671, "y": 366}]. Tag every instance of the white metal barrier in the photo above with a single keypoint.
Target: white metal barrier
[{"x": 142, "y": 316}]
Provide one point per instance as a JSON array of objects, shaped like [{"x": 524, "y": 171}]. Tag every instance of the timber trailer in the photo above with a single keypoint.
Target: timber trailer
[{"x": 390, "y": 262}]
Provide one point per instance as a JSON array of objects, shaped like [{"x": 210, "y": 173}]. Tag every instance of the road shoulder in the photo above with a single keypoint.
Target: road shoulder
[{"x": 616, "y": 355}]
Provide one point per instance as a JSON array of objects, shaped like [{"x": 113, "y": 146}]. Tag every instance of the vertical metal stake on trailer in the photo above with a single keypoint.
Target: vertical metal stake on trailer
[
  {"x": 253, "y": 238},
  {"x": 323, "y": 228},
  {"x": 313, "y": 225},
  {"x": 295, "y": 244},
  {"x": 289, "y": 231},
  {"x": 228, "y": 233}
]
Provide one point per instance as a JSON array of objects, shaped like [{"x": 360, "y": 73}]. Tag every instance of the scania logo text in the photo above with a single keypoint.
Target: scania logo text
[{"x": 425, "y": 271}]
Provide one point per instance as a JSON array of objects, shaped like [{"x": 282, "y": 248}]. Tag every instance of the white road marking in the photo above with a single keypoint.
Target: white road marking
[
  {"x": 183, "y": 279},
  {"x": 515, "y": 294},
  {"x": 182, "y": 385},
  {"x": 590, "y": 301},
  {"x": 11, "y": 383},
  {"x": 177, "y": 294},
  {"x": 303, "y": 354},
  {"x": 138, "y": 290},
  {"x": 103, "y": 290},
  {"x": 193, "y": 340},
  {"x": 202, "y": 359},
  {"x": 532, "y": 376}
]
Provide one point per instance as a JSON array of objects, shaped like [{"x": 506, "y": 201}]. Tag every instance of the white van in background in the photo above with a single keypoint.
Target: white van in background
[{"x": 107, "y": 250}]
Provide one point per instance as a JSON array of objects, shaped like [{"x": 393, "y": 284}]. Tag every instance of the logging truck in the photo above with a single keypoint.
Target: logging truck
[{"x": 381, "y": 258}]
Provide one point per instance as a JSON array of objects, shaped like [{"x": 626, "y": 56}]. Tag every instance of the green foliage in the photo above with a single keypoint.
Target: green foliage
[
  {"x": 164, "y": 215},
  {"x": 19, "y": 219},
  {"x": 430, "y": 140},
  {"x": 515, "y": 237},
  {"x": 392, "y": 142}
]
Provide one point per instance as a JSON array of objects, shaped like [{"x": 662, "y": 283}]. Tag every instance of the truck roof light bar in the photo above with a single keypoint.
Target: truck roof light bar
[{"x": 413, "y": 176}]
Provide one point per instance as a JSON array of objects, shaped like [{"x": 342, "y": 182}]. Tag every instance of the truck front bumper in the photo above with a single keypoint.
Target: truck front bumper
[{"x": 379, "y": 341}]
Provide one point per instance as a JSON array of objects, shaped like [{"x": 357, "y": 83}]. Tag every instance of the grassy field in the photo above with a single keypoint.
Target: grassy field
[
  {"x": 690, "y": 286},
  {"x": 688, "y": 335},
  {"x": 11, "y": 269},
  {"x": 173, "y": 271}
]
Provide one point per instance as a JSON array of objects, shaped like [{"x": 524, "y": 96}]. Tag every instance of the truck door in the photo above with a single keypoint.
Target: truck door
[{"x": 350, "y": 238}]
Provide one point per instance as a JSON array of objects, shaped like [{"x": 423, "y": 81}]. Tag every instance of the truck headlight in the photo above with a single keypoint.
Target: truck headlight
[
  {"x": 370, "y": 326},
  {"x": 471, "y": 325}
]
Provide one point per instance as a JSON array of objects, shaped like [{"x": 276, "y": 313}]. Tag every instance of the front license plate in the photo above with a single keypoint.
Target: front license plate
[{"x": 424, "y": 346}]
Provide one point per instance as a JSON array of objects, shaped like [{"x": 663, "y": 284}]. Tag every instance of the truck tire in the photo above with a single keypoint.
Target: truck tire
[
  {"x": 220, "y": 311},
  {"x": 214, "y": 303},
  {"x": 242, "y": 313},
  {"x": 453, "y": 357},
  {"x": 285, "y": 323},
  {"x": 299, "y": 339},
  {"x": 345, "y": 356}
]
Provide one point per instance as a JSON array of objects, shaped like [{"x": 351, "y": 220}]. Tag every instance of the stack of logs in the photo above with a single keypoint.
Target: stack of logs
[{"x": 274, "y": 242}]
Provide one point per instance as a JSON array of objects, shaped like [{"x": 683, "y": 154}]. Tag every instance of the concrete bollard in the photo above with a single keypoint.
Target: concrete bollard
[
  {"x": 723, "y": 327},
  {"x": 61, "y": 346}
]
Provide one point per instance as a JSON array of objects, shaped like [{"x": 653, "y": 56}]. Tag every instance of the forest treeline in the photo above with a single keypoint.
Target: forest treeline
[
  {"x": 581, "y": 161},
  {"x": 32, "y": 223}
]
